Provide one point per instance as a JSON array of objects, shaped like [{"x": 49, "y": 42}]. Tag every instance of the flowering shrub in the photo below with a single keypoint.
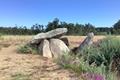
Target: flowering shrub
[
  {"x": 97, "y": 61},
  {"x": 92, "y": 76}
]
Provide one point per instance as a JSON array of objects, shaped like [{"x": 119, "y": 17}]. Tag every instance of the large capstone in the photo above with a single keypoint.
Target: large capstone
[
  {"x": 56, "y": 33},
  {"x": 58, "y": 47}
]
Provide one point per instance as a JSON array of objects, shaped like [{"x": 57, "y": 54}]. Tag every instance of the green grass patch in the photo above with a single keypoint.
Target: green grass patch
[
  {"x": 27, "y": 49},
  {"x": 104, "y": 52},
  {"x": 96, "y": 60},
  {"x": 80, "y": 66},
  {"x": 20, "y": 76}
]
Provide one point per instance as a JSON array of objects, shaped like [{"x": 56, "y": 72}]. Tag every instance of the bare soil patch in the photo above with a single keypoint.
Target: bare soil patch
[{"x": 14, "y": 66}]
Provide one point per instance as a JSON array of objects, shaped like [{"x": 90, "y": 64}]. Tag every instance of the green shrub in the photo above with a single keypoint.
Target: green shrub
[
  {"x": 74, "y": 63},
  {"x": 110, "y": 47},
  {"x": 1, "y": 37},
  {"x": 101, "y": 33},
  {"x": 104, "y": 52},
  {"x": 82, "y": 67},
  {"x": 27, "y": 49},
  {"x": 96, "y": 59},
  {"x": 20, "y": 76},
  {"x": 0, "y": 34}
]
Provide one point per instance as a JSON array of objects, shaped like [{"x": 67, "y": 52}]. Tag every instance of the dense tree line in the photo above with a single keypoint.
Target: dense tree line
[{"x": 73, "y": 29}]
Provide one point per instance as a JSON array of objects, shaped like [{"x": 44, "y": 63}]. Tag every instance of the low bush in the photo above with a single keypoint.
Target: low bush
[
  {"x": 20, "y": 76},
  {"x": 88, "y": 72},
  {"x": 0, "y": 34},
  {"x": 27, "y": 49},
  {"x": 97, "y": 61},
  {"x": 104, "y": 52}
]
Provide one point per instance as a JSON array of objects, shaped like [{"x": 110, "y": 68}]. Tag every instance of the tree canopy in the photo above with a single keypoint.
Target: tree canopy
[{"x": 73, "y": 28}]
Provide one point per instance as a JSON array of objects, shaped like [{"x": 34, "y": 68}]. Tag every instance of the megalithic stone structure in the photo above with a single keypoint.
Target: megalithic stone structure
[{"x": 50, "y": 44}]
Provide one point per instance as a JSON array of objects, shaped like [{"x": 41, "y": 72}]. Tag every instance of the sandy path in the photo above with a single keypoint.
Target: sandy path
[{"x": 14, "y": 66}]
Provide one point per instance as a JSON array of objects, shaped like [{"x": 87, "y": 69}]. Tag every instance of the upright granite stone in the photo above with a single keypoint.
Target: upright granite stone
[
  {"x": 56, "y": 33},
  {"x": 44, "y": 49},
  {"x": 87, "y": 42},
  {"x": 58, "y": 47}
]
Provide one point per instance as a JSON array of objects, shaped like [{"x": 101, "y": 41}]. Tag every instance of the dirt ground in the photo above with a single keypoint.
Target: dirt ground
[{"x": 15, "y": 66}]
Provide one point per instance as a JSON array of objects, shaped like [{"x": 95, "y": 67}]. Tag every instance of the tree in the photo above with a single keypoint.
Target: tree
[
  {"x": 73, "y": 29},
  {"x": 37, "y": 28},
  {"x": 53, "y": 25},
  {"x": 88, "y": 28},
  {"x": 117, "y": 25}
]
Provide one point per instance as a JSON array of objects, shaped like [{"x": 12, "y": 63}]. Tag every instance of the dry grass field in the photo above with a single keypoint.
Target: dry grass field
[{"x": 15, "y": 66}]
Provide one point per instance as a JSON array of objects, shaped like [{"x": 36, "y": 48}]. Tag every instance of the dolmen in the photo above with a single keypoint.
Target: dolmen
[{"x": 50, "y": 44}]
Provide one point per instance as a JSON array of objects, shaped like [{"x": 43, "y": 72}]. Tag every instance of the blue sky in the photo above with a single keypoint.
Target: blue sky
[{"x": 28, "y": 12}]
